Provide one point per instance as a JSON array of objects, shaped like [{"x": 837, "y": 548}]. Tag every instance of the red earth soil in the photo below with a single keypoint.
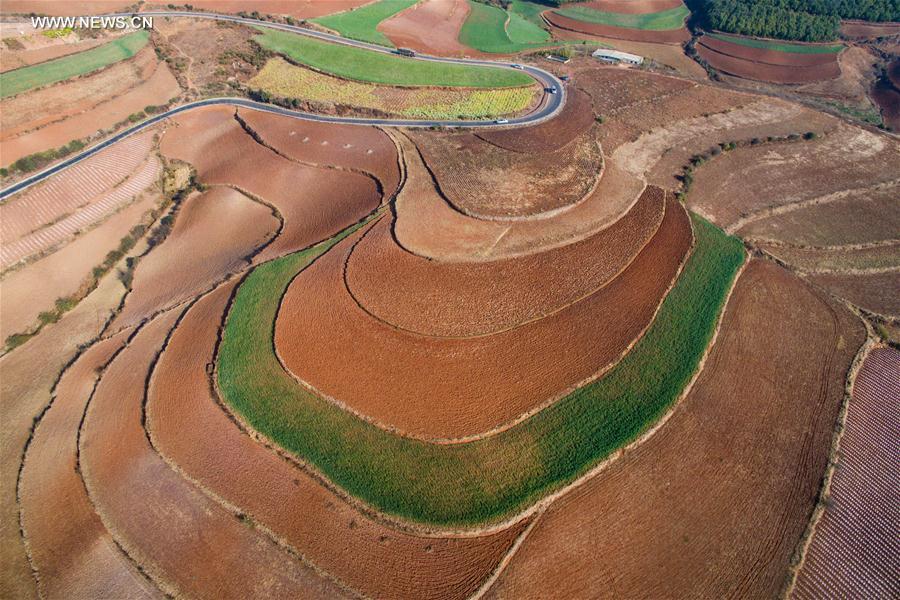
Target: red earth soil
[
  {"x": 814, "y": 260},
  {"x": 203, "y": 550},
  {"x": 672, "y": 36},
  {"x": 714, "y": 504},
  {"x": 159, "y": 89},
  {"x": 301, "y": 9},
  {"x": 190, "y": 429},
  {"x": 488, "y": 182},
  {"x": 549, "y": 136},
  {"x": 67, "y": 8},
  {"x": 613, "y": 90},
  {"x": 875, "y": 292},
  {"x": 214, "y": 234},
  {"x": 349, "y": 147},
  {"x": 35, "y": 288},
  {"x": 855, "y": 551},
  {"x": 428, "y": 226},
  {"x": 72, "y": 553},
  {"x": 73, "y": 188},
  {"x": 727, "y": 189},
  {"x": 104, "y": 205},
  {"x": 865, "y": 29},
  {"x": 769, "y": 57},
  {"x": 765, "y": 72},
  {"x": 14, "y": 59},
  {"x": 315, "y": 203},
  {"x": 45, "y": 105},
  {"x": 430, "y": 26},
  {"x": 448, "y": 388},
  {"x": 468, "y": 299},
  {"x": 632, "y": 7}
]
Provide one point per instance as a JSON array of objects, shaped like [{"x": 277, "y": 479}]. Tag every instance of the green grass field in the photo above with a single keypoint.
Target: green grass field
[
  {"x": 779, "y": 46},
  {"x": 360, "y": 24},
  {"x": 659, "y": 21},
  {"x": 484, "y": 480},
  {"x": 26, "y": 78},
  {"x": 486, "y": 28},
  {"x": 376, "y": 67}
]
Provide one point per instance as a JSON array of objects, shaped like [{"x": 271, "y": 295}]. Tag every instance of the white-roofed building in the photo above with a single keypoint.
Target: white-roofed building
[{"x": 615, "y": 56}]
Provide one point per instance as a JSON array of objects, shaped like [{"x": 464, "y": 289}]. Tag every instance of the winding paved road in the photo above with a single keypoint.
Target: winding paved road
[{"x": 549, "y": 106}]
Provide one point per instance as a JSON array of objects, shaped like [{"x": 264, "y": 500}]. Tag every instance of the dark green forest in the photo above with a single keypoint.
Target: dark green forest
[{"x": 804, "y": 20}]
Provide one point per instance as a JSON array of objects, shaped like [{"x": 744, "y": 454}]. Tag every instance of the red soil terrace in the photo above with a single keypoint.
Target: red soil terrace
[{"x": 430, "y": 26}]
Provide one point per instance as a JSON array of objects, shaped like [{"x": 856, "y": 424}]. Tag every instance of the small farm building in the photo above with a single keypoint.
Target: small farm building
[{"x": 614, "y": 56}]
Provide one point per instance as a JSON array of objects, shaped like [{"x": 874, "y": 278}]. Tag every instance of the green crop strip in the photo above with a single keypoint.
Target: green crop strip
[
  {"x": 360, "y": 24},
  {"x": 488, "y": 479},
  {"x": 26, "y": 78},
  {"x": 779, "y": 46},
  {"x": 658, "y": 21},
  {"x": 376, "y": 67},
  {"x": 486, "y": 28}
]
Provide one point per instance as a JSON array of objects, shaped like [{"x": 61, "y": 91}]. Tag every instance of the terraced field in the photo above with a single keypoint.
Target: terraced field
[
  {"x": 344, "y": 361},
  {"x": 768, "y": 60},
  {"x": 281, "y": 79},
  {"x": 362, "y": 23},
  {"x": 492, "y": 30},
  {"x": 638, "y": 21},
  {"x": 26, "y": 78}
]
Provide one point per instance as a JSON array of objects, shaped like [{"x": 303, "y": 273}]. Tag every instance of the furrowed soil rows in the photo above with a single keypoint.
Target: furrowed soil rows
[
  {"x": 134, "y": 491},
  {"x": 467, "y": 299},
  {"x": 858, "y": 217},
  {"x": 575, "y": 119},
  {"x": 159, "y": 89},
  {"x": 767, "y": 55},
  {"x": 49, "y": 236},
  {"x": 428, "y": 226},
  {"x": 635, "y": 7},
  {"x": 793, "y": 173},
  {"x": 671, "y": 36},
  {"x": 213, "y": 235},
  {"x": 884, "y": 256},
  {"x": 854, "y": 549},
  {"x": 35, "y": 288},
  {"x": 73, "y": 554},
  {"x": 223, "y": 153},
  {"x": 876, "y": 292},
  {"x": 190, "y": 429},
  {"x": 760, "y": 71},
  {"x": 342, "y": 146},
  {"x": 868, "y": 30},
  {"x": 73, "y": 188},
  {"x": 430, "y": 26},
  {"x": 775, "y": 374},
  {"x": 54, "y": 103},
  {"x": 452, "y": 388},
  {"x": 488, "y": 182}
]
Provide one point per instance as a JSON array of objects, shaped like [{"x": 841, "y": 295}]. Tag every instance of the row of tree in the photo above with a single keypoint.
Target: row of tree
[{"x": 805, "y": 20}]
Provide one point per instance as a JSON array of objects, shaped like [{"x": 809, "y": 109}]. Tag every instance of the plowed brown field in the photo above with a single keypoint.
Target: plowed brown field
[
  {"x": 73, "y": 554},
  {"x": 438, "y": 388},
  {"x": 574, "y": 120},
  {"x": 428, "y": 226},
  {"x": 760, "y": 71},
  {"x": 868, "y": 30},
  {"x": 202, "y": 550},
  {"x": 633, "y": 7},
  {"x": 715, "y": 502},
  {"x": 467, "y": 299},
  {"x": 214, "y": 235},
  {"x": 488, "y": 182},
  {"x": 160, "y": 88},
  {"x": 314, "y": 202},
  {"x": 430, "y": 26},
  {"x": 671, "y": 36},
  {"x": 348, "y": 147},
  {"x": 189, "y": 428},
  {"x": 769, "y": 57},
  {"x": 875, "y": 292},
  {"x": 813, "y": 260},
  {"x": 849, "y": 158}
]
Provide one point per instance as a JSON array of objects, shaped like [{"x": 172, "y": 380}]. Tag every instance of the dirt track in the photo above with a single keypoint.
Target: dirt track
[
  {"x": 714, "y": 504},
  {"x": 452, "y": 388}
]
